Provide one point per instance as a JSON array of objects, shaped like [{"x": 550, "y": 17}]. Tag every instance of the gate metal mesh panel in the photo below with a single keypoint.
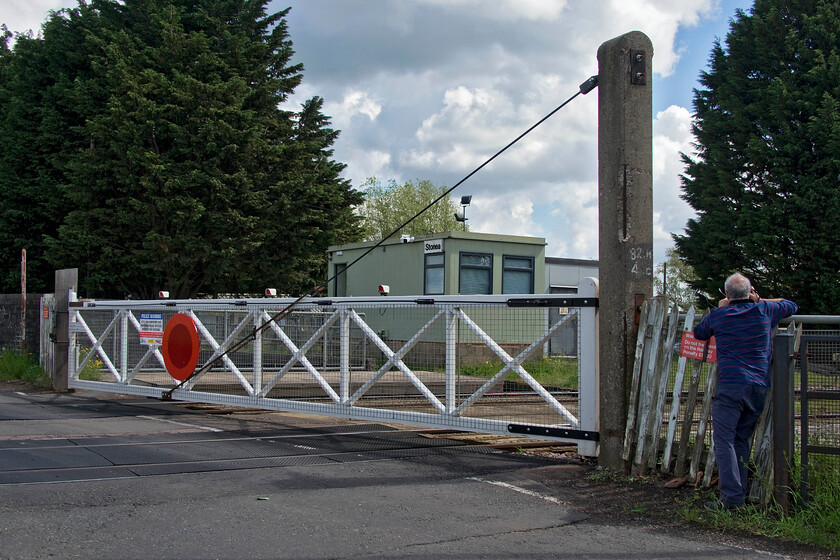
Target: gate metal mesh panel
[
  {"x": 822, "y": 390},
  {"x": 472, "y": 362}
]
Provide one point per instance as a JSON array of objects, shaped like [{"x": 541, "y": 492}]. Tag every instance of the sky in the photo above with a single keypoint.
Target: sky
[{"x": 430, "y": 89}]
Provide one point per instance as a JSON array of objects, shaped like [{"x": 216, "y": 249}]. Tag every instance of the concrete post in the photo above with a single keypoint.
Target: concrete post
[
  {"x": 625, "y": 202},
  {"x": 23, "y": 301},
  {"x": 65, "y": 280}
]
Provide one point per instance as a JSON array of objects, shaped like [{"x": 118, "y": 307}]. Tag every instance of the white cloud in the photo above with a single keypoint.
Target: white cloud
[
  {"x": 672, "y": 135},
  {"x": 475, "y": 123},
  {"x": 507, "y": 10},
  {"x": 367, "y": 163},
  {"x": 28, "y": 15},
  {"x": 465, "y": 112},
  {"x": 467, "y": 129},
  {"x": 574, "y": 219},
  {"x": 508, "y": 215},
  {"x": 356, "y": 103},
  {"x": 660, "y": 20}
]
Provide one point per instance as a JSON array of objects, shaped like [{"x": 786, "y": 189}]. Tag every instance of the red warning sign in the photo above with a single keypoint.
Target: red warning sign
[
  {"x": 180, "y": 346},
  {"x": 692, "y": 348}
]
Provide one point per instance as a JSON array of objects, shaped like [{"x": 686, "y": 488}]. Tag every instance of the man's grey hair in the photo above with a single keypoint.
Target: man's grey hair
[{"x": 737, "y": 286}]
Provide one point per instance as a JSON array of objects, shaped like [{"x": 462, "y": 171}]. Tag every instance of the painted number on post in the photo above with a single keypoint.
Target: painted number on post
[{"x": 641, "y": 260}]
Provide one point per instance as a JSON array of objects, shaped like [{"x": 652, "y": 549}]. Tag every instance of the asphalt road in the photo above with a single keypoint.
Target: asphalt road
[{"x": 93, "y": 476}]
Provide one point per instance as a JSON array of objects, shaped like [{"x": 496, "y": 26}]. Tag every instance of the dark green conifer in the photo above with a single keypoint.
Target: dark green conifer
[
  {"x": 765, "y": 179},
  {"x": 175, "y": 167}
]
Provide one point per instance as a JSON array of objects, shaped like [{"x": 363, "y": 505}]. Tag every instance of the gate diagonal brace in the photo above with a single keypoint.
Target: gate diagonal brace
[
  {"x": 394, "y": 358},
  {"x": 514, "y": 365}
]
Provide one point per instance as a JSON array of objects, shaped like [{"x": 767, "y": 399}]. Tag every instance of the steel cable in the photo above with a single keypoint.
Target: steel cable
[{"x": 583, "y": 89}]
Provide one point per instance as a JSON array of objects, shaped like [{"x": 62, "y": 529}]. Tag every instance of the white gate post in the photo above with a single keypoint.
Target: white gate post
[
  {"x": 258, "y": 351},
  {"x": 344, "y": 356},
  {"x": 451, "y": 358},
  {"x": 72, "y": 349},
  {"x": 588, "y": 385},
  {"x": 124, "y": 345}
]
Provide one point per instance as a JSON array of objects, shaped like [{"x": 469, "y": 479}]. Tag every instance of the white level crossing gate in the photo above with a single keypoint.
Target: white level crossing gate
[{"x": 474, "y": 363}]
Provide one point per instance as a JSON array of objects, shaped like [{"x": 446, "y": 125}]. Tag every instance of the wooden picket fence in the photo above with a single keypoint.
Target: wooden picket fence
[{"x": 668, "y": 421}]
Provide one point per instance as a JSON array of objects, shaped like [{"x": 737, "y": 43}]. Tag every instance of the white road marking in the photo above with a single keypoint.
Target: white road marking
[
  {"x": 208, "y": 428},
  {"x": 521, "y": 491}
]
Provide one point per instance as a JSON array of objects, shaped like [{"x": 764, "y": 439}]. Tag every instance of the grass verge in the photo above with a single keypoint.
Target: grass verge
[
  {"x": 549, "y": 371},
  {"x": 15, "y": 366},
  {"x": 815, "y": 523}
]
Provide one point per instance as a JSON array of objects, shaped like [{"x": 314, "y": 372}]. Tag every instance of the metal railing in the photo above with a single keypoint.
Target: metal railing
[
  {"x": 819, "y": 390},
  {"x": 473, "y": 363}
]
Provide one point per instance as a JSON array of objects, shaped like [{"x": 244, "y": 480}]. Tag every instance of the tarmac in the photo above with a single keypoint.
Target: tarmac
[{"x": 89, "y": 475}]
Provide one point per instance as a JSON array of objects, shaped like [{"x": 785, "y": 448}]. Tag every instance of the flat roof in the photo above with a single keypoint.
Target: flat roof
[
  {"x": 468, "y": 235},
  {"x": 571, "y": 262}
]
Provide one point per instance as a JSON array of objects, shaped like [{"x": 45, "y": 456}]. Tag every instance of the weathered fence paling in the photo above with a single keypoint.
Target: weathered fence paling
[
  {"x": 775, "y": 432},
  {"x": 676, "y": 401}
]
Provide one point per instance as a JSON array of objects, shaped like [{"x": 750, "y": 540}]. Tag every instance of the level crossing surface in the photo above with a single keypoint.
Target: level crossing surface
[{"x": 82, "y": 476}]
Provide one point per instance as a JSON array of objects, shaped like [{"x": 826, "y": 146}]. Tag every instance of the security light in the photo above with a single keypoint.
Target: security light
[{"x": 462, "y": 215}]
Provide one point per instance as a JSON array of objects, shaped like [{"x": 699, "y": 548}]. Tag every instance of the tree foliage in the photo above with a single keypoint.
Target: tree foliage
[
  {"x": 764, "y": 179},
  {"x": 31, "y": 127},
  {"x": 387, "y": 207},
  {"x": 674, "y": 278},
  {"x": 165, "y": 160}
]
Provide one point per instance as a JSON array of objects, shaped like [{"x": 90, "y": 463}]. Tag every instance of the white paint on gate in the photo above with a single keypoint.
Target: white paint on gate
[{"x": 122, "y": 329}]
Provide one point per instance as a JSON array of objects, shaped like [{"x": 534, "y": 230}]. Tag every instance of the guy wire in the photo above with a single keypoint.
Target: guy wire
[{"x": 584, "y": 88}]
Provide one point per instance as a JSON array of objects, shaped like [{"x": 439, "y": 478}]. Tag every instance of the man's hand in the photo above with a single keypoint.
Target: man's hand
[{"x": 724, "y": 302}]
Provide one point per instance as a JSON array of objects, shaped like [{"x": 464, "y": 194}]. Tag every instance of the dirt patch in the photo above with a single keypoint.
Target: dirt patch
[{"x": 23, "y": 387}]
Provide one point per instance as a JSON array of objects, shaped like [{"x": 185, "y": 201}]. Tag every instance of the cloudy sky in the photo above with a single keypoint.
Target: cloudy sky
[{"x": 429, "y": 89}]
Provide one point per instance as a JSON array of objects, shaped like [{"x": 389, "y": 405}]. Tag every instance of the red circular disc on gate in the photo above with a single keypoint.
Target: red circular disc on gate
[{"x": 180, "y": 346}]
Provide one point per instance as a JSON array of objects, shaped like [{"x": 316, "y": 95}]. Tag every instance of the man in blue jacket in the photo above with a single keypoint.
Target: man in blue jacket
[{"x": 742, "y": 326}]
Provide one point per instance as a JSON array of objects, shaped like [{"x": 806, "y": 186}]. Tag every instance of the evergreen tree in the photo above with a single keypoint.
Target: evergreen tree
[
  {"x": 179, "y": 169},
  {"x": 386, "y": 207},
  {"x": 27, "y": 203},
  {"x": 764, "y": 180}
]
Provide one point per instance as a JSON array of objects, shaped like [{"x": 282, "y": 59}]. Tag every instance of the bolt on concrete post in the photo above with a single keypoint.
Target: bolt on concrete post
[{"x": 625, "y": 232}]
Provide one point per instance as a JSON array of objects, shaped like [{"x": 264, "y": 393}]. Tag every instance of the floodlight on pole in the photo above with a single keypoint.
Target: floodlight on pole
[{"x": 462, "y": 215}]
